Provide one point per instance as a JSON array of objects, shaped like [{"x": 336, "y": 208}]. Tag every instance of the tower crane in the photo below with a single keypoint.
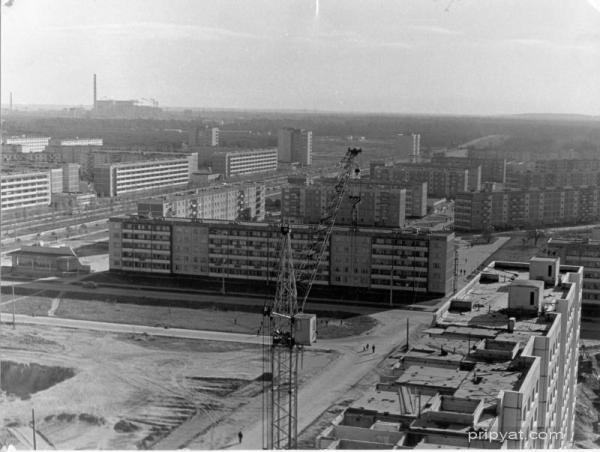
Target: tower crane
[{"x": 289, "y": 328}]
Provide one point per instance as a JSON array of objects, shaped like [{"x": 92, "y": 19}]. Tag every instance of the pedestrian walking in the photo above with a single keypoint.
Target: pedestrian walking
[
  {"x": 240, "y": 436},
  {"x": 235, "y": 321},
  {"x": 367, "y": 347},
  {"x": 373, "y": 349}
]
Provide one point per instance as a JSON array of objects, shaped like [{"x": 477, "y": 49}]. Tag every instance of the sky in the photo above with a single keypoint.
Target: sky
[{"x": 389, "y": 56}]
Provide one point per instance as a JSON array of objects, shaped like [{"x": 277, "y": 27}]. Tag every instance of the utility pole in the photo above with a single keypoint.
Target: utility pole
[
  {"x": 33, "y": 428},
  {"x": 13, "y": 305},
  {"x": 392, "y": 283}
]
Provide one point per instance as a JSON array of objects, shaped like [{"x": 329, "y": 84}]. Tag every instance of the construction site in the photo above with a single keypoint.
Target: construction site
[{"x": 93, "y": 363}]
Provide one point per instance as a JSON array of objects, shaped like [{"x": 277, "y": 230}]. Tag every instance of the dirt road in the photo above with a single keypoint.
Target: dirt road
[{"x": 324, "y": 388}]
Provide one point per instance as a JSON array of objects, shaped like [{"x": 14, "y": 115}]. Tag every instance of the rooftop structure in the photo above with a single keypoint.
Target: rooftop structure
[{"x": 496, "y": 369}]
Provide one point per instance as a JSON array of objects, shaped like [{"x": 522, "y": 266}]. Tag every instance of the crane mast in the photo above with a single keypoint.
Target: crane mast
[{"x": 287, "y": 326}]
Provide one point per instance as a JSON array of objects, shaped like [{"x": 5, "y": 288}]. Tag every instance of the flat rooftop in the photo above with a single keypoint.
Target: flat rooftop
[{"x": 489, "y": 301}]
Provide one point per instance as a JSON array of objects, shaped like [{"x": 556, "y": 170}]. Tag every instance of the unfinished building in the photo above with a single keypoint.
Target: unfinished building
[{"x": 497, "y": 369}]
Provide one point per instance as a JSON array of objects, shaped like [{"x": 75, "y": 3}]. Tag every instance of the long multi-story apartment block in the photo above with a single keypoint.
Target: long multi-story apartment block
[
  {"x": 366, "y": 260},
  {"x": 240, "y": 163},
  {"x": 28, "y": 144},
  {"x": 23, "y": 189},
  {"x": 442, "y": 181},
  {"x": 243, "y": 202},
  {"x": 508, "y": 209},
  {"x": 492, "y": 170},
  {"x": 76, "y": 142},
  {"x": 497, "y": 369},
  {"x": 553, "y": 173},
  {"x": 367, "y": 204},
  {"x": 295, "y": 145},
  {"x": 121, "y": 178}
]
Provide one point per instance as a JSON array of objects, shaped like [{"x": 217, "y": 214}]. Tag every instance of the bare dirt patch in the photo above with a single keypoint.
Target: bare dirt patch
[{"x": 127, "y": 391}]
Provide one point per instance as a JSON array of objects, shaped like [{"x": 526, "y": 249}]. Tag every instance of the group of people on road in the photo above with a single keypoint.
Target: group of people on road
[{"x": 366, "y": 348}]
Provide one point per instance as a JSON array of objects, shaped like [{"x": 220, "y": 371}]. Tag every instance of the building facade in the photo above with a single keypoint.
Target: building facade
[
  {"x": 553, "y": 173},
  {"x": 39, "y": 261},
  {"x": 28, "y": 144},
  {"x": 244, "y": 202},
  {"x": 203, "y": 136},
  {"x": 442, "y": 181},
  {"x": 121, "y": 178},
  {"x": 508, "y": 209},
  {"x": 22, "y": 189},
  {"x": 409, "y": 145},
  {"x": 378, "y": 260},
  {"x": 240, "y": 163},
  {"x": 492, "y": 170},
  {"x": 295, "y": 145},
  {"x": 497, "y": 369},
  {"x": 76, "y": 142},
  {"x": 585, "y": 253},
  {"x": 367, "y": 204}
]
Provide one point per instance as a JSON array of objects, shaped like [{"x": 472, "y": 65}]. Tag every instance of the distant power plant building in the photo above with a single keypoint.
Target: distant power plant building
[
  {"x": 369, "y": 261},
  {"x": 128, "y": 109},
  {"x": 203, "y": 136},
  {"x": 119, "y": 178},
  {"x": 28, "y": 143},
  {"x": 244, "y": 162},
  {"x": 409, "y": 145},
  {"x": 76, "y": 142},
  {"x": 528, "y": 208},
  {"x": 245, "y": 202},
  {"x": 295, "y": 145}
]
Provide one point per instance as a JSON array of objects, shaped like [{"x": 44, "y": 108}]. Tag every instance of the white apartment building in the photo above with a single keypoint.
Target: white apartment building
[
  {"x": 28, "y": 144},
  {"x": 77, "y": 142},
  {"x": 25, "y": 189},
  {"x": 120, "y": 178},
  {"x": 497, "y": 369},
  {"x": 230, "y": 202},
  {"x": 240, "y": 163}
]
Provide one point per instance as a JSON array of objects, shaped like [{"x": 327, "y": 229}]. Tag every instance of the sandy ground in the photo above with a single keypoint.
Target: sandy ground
[
  {"x": 127, "y": 390},
  {"x": 130, "y": 391}
]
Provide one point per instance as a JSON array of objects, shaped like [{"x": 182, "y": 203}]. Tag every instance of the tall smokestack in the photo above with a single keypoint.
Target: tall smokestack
[
  {"x": 10, "y": 104},
  {"x": 95, "y": 91}
]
